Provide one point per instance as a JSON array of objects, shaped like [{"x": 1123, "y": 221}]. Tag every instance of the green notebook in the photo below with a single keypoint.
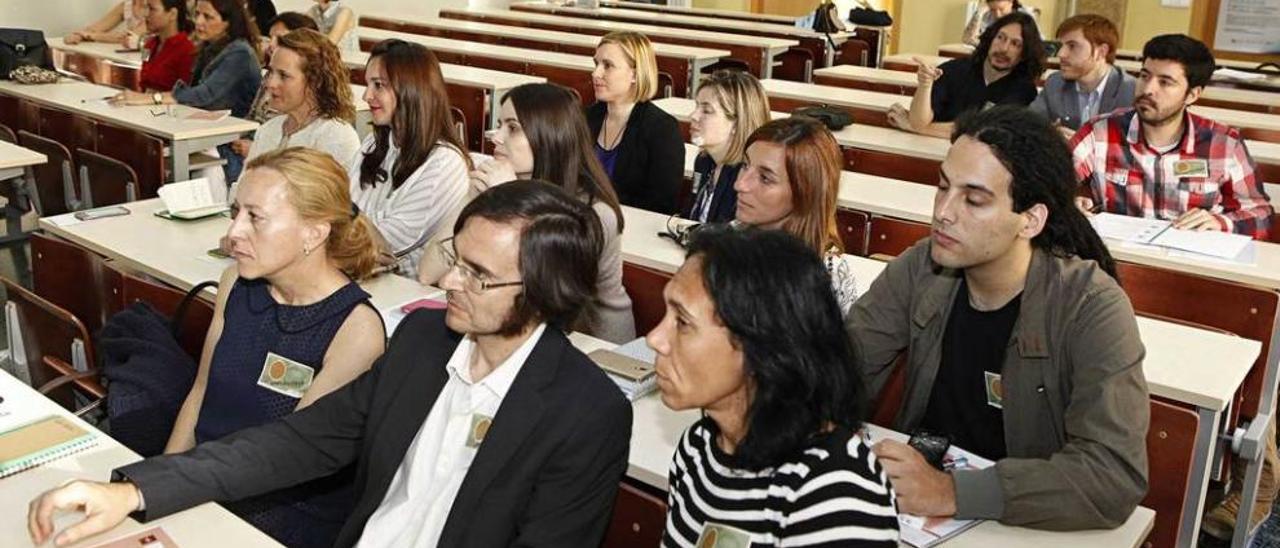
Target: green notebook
[{"x": 41, "y": 441}]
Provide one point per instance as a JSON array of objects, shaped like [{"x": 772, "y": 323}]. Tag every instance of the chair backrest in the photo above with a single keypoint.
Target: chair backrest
[
  {"x": 459, "y": 124},
  {"x": 7, "y": 135},
  {"x": 54, "y": 180},
  {"x": 638, "y": 519},
  {"x": 1171, "y": 449},
  {"x": 144, "y": 153},
  {"x": 166, "y": 299},
  {"x": 889, "y": 236},
  {"x": 74, "y": 279},
  {"x": 105, "y": 180},
  {"x": 644, "y": 286},
  {"x": 43, "y": 329},
  {"x": 1246, "y": 311},
  {"x": 853, "y": 230}
]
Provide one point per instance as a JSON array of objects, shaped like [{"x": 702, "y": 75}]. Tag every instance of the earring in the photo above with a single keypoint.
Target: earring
[{"x": 306, "y": 251}]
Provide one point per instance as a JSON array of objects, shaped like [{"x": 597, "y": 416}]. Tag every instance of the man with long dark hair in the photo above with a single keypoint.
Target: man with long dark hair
[
  {"x": 1002, "y": 70},
  {"x": 1021, "y": 345},
  {"x": 1158, "y": 160}
]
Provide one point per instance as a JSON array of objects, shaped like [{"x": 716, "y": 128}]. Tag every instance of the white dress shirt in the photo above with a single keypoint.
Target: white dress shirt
[
  {"x": 1089, "y": 102},
  {"x": 417, "y": 503}
]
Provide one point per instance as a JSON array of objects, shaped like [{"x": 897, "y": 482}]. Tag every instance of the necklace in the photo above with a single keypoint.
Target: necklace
[{"x": 617, "y": 137}]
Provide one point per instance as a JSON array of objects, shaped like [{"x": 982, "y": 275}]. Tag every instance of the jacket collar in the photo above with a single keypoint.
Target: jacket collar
[{"x": 1031, "y": 331}]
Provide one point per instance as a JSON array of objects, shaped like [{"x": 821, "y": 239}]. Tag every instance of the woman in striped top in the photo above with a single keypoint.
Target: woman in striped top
[{"x": 753, "y": 336}]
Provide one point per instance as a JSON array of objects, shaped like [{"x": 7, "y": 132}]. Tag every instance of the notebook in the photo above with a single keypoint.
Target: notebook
[
  {"x": 39, "y": 442},
  {"x": 189, "y": 200}
]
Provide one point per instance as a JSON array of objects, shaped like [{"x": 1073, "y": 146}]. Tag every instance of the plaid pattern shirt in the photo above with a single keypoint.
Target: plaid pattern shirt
[{"x": 1209, "y": 169}]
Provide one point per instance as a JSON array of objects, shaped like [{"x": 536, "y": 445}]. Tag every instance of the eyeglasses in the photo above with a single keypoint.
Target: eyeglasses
[{"x": 472, "y": 281}]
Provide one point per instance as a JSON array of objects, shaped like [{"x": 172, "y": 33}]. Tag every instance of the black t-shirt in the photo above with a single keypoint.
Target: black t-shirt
[
  {"x": 967, "y": 388},
  {"x": 962, "y": 87}
]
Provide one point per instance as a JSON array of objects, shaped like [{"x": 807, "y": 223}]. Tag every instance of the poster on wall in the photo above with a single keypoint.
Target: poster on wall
[{"x": 1248, "y": 26}]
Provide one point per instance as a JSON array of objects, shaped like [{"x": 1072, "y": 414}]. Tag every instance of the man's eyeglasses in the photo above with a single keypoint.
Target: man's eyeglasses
[{"x": 472, "y": 281}]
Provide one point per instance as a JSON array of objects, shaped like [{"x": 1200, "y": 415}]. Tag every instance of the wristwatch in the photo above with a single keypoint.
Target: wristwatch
[{"x": 157, "y": 97}]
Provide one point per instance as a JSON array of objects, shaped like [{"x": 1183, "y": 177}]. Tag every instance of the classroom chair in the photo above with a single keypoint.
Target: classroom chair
[
  {"x": 75, "y": 279},
  {"x": 54, "y": 180},
  {"x": 459, "y": 123},
  {"x": 105, "y": 180},
  {"x": 143, "y": 153},
  {"x": 37, "y": 328},
  {"x": 644, "y": 286},
  {"x": 853, "y": 230},
  {"x": 85, "y": 385},
  {"x": 638, "y": 519},
  {"x": 893, "y": 166},
  {"x": 7, "y": 135},
  {"x": 194, "y": 319}
]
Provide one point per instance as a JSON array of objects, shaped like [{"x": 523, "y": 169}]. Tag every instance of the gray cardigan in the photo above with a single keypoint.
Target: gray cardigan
[{"x": 1059, "y": 100}]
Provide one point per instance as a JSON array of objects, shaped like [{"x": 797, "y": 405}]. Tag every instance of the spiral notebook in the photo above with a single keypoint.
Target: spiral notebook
[{"x": 39, "y": 442}]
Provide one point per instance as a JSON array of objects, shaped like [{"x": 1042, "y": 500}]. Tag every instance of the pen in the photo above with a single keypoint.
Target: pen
[{"x": 107, "y": 98}]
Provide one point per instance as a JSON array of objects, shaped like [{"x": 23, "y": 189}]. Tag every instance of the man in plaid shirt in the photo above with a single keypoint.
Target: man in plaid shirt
[{"x": 1158, "y": 160}]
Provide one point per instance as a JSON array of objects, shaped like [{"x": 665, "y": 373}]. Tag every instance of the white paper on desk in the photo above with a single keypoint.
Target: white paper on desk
[
  {"x": 1126, "y": 228},
  {"x": 1233, "y": 74},
  {"x": 1220, "y": 245},
  {"x": 187, "y": 195},
  {"x": 66, "y": 219}
]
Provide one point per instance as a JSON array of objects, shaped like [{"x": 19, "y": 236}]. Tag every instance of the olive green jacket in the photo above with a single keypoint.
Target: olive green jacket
[{"x": 1076, "y": 407}]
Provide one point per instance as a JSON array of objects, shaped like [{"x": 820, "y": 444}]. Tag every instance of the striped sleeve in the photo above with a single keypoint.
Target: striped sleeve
[{"x": 844, "y": 501}]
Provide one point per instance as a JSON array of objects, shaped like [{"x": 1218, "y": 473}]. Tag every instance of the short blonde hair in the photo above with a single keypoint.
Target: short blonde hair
[
  {"x": 639, "y": 52},
  {"x": 743, "y": 101},
  {"x": 319, "y": 190}
]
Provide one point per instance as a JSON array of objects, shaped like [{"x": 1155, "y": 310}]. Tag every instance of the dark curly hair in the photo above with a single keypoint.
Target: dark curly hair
[
  {"x": 1034, "y": 153},
  {"x": 1033, "y": 53},
  {"x": 774, "y": 295}
]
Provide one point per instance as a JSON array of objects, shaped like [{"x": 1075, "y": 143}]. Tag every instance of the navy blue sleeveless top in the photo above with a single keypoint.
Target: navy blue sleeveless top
[{"x": 254, "y": 324}]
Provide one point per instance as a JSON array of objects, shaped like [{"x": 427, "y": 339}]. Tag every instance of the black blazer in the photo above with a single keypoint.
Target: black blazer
[
  {"x": 650, "y": 165},
  {"x": 545, "y": 475},
  {"x": 724, "y": 199}
]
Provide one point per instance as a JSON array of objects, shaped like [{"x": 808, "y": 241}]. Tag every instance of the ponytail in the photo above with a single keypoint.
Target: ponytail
[{"x": 352, "y": 248}]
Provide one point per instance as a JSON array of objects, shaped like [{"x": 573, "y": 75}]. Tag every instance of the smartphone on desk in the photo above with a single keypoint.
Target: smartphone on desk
[{"x": 101, "y": 213}]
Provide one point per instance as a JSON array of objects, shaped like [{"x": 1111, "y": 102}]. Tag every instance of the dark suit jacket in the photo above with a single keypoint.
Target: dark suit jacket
[
  {"x": 1059, "y": 101},
  {"x": 650, "y": 165},
  {"x": 545, "y": 475},
  {"x": 724, "y": 199}
]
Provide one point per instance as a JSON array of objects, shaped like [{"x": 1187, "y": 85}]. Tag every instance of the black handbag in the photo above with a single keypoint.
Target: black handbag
[
  {"x": 22, "y": 47},
  {"x": 834, "y": 118},
  {"x": 826, "y": 19},
  {"x": 870, "y": 17}
]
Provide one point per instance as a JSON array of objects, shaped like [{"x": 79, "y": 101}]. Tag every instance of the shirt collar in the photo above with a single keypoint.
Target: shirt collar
[
  {"x": 1102, "y": 85},
  {"x": 1188, "y": 141},
  {"x": 498, "y": 381}
]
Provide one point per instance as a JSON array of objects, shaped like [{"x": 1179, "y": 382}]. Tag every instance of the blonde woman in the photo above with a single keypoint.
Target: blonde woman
[
  {"x": 730, "y": 105},
  {"x": 289, "y": 305},
  {"x": 638, "y": 144},
  {"x": 309, "y": 86}
]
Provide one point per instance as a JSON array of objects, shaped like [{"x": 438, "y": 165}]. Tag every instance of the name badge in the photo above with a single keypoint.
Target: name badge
[
  {"x": 715, "y": 535},
  {"x": 995, "y": 390},
  {"x": 285, "y": 376},
  {"x": 1191, "y": 168},
  {"x": 479, "y": 429}
]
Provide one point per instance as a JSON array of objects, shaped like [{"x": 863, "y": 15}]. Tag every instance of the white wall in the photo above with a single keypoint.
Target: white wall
[{"x": 54, "y": 17}]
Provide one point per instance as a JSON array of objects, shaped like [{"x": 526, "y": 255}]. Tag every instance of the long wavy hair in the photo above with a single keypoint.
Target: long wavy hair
[
  {"x": 557, "y": 129},
  {"x": 422, "y": 120},
  {"x": 1037, "y": 157},
  {"x": 1033, "y": 53},
  {"x": 774, "y": 296},
  {"x": 327, "y": 77}
]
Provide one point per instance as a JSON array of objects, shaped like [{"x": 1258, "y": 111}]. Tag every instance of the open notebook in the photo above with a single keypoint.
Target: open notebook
[{"x": 41, "y": 441}]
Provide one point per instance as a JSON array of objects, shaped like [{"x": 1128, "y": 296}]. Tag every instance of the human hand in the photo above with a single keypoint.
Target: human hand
[
  {"x": 241, "y": 147},
  {"x": 492, "y": 173},
  {"x": 926, "y": 74},
  {"x": 1197, "y": 219},
  {"x": 105, "y": 505},
  {"x": 130, "y": 97},
  {"x": 922, "y": 489}
]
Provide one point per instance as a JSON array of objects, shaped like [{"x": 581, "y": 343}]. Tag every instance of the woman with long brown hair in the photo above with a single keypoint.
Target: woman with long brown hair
[
  {"x": 790, "y": 182},
  {"x": 543, "y": 135},
  {"x": 410, "y": 177},
  {"x": 308, "y": 85}
]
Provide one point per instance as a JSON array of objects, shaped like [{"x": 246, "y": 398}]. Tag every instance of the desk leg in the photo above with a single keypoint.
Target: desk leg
[
  {"x": 181, "y": 161},
  {"x": 695, "y": 73},
  {"x": 770, "y": 59},
  {"x": 494, "y": 106},
  {"x": 1206, "y": 441}
]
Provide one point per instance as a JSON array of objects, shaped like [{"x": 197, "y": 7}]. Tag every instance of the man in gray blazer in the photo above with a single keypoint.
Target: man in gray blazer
[
  {"x": 1088, "y": 83},
  {"x": 481, "y": 426}
]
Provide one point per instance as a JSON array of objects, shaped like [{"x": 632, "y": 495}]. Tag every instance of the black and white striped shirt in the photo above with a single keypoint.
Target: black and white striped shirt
[{"x": 832, "y": 494}]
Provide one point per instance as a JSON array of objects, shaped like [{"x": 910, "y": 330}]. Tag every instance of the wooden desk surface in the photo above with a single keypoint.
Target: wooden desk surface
[
  {"x": 1177, "y": 355},
  {"x": 705, "y": 12},
  {"x": 561, "y": 37},
  {"x": 659, "y": 18},
  {"x": 876, "y": 138},
  {"x": 833, "y": 95},
  {"x": 772, "y": 44},
  {"x": 14, "y": 156},
  {"x": 205, "y": 526},
  {"x": 85, "y": 99},
  {"x": 461, "y": 75},
  {"x": 520, "y": 55}
]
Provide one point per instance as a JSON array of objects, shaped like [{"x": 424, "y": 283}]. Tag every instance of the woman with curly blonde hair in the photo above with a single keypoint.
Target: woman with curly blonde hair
[{"x": 308, "y": 84}]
